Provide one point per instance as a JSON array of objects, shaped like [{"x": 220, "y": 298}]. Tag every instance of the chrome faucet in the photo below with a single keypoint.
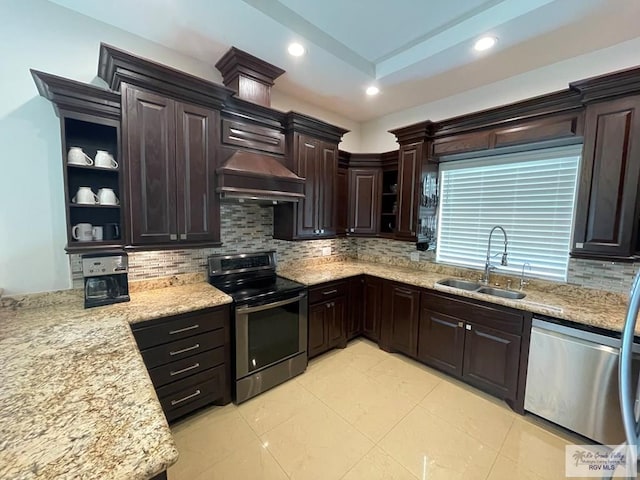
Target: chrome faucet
[
  {"x": 487, "y": 264},
  {"x": 523, "y": 282}
]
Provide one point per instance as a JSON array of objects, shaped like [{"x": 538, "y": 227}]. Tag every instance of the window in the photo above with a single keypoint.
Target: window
[{"x": 530, "y": 194}]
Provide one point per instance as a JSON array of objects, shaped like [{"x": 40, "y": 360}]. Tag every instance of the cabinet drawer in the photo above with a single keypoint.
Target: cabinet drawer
[
  {"x": 328, "y": 290},
  {"x": 186, "y": 367},
  {"x": 187, "y": 347},
  {"x": 180, "y": 398},
  {"x": 499, "y": 318},
  {"x": 165, "y": 330}
]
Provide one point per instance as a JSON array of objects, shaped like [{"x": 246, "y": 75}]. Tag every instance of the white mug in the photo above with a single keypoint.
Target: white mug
[
  {"x": 105, "y": 160},
  {"x": 85, "y": 196},
  {"x": 106, "y": 196},
  {"x": 83, "y": 232},
  {"x": 96, "y": 233},
  {"x": 77, "y": 157}
]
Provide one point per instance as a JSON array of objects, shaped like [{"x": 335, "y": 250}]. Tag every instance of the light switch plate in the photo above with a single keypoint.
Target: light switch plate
[
  {"x": 326, "y": 251},
  {"x": 414, "y": 256}
]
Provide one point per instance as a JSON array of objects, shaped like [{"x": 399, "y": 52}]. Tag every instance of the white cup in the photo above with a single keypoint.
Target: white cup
[
  {"x": 83, "y": 232},
  {"x": 77, "y": 157},
  {"x": 105, "y": 160},
  {"x": 106, "y": 196},
  {"x": 85, "y": 196},
  {"x": 96, "y": 233}
]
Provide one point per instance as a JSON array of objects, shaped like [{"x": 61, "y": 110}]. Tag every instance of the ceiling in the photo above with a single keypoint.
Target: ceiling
[{"x": 416, "y": 51}]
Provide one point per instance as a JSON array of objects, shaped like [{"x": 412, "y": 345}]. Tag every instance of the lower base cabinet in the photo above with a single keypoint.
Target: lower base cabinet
[
  {"x": 354, "y": 307},
  {"x": 441, "y": 341},
  {"x": 491, "y": 360},
  {"x": 372, "y": 309},
  {"x": 483, "y": 344},
  {"x": 400, "y": 318},
  {"x": 188, "y": 359},
  {"x": 477, "y": 342},
  {"x": 327, "y": 317}
]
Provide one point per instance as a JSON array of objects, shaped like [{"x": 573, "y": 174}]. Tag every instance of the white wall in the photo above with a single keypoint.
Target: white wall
[
  {"x": 44, "y": 36},
  {"x": 374, "y": 136}
]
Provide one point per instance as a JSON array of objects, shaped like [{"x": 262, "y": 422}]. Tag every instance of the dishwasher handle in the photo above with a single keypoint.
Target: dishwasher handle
[{"x": 625, "y": 380}]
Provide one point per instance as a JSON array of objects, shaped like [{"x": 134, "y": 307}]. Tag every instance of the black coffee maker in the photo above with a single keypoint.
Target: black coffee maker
[{"x": 105, "y": 278}]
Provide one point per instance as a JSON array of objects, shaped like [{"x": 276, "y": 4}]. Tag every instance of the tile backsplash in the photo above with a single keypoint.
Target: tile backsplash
[
  {"x": 244, "y": 228},
  {"x": 248, "y": 228},
  {"x": 611, "y": 276}
]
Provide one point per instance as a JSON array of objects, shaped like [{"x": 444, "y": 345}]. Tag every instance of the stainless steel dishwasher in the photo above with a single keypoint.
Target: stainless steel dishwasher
[{"x": 572, "y": 379}]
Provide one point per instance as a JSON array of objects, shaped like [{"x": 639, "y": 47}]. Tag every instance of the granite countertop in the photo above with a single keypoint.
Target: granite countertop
[
  {"x": 581, "y": 305},
  {"x": 75, "y": 397}
]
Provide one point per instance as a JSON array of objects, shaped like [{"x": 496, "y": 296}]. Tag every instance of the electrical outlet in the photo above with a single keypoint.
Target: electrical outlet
[
  {"x": 414, "y": 256},
  {"x": 326, "y": 251}
]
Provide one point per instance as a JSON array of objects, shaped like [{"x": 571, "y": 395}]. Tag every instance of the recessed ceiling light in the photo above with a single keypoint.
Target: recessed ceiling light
[
  {"x": 296, "y": 49},
  {"x": 372, "y": 90},
  {"x": 485, "y": 43}
]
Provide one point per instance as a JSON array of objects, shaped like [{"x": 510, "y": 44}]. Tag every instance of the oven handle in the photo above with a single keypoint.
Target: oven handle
[{"x": 246, "y": 310}]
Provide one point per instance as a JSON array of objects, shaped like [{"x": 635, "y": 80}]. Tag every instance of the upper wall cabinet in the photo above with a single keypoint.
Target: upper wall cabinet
[
  {"x": 606, "y": 222},
  {"x": 312, "y": 153},
  {"x": 89, "y": 123},
  {"x": 365, "y": 185},
  {"x": 170, "y": 152},
  {"x": 607, "y": 204}
]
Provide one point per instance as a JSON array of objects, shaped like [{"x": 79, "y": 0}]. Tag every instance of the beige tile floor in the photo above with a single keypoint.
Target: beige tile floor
[{"x": 361, "y": 413}]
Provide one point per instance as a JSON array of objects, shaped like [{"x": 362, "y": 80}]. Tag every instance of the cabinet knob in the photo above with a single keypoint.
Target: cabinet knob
[
  {"x": 460, "y": 324},
  {"x": 183, "y": 236},
  {"x": 413, "y": 233},
  {"x": 322, "y": 230},
  {"x": 316, "y": 231},
  {"x": 468, "y": 327},
  {"x": 173, "y": 236}
]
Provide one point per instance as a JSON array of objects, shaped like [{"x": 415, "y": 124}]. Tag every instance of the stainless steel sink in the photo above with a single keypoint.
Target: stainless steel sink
[
  {"x": 479, "y": 288},
  {"x": 461, "y": 284},
  {"x": 498, "y": 292}
]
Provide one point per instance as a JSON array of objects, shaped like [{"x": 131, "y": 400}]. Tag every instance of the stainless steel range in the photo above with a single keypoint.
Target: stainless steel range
[{"x": 270, "y": 327}]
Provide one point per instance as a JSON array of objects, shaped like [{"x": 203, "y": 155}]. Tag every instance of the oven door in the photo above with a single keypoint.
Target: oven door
[{"x": 268, "y": 334}]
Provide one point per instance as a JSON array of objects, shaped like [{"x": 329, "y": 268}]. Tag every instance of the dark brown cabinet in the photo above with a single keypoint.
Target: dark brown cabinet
[
  {"x": 311, "y": 153},
  {"x": 401, "y": 314},
  {"x": 342, "y": 213},
  {"x": 607, "y": 211},
  {"x": 354, "y": 307},
  {"x": 491, "y": 359},
  {"x": 409, "y": 175},
  {"x": 90, "y": 121},
  {"x": 477, "y": 342},
  {"x": 441, "y": 341},
  {"x": 327, "y": 317},
  {"x": 372, "y": 312},
  {"x": 365, "y": 185},
  {"x": 188, "y": 358},
  {"x": 170, "y": 148}
]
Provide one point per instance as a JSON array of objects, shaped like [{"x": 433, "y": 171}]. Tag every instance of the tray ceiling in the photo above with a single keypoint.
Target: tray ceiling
[{"x": 416, "y": 51}]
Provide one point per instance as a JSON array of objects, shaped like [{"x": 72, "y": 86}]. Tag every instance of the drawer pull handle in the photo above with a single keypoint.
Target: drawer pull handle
[
  {"x": 330, "y": 292},
  {"x": 184, "y": 399},
  {"x": 178, "y": 372},
  {"x": 186, "y": 329},
  {"x": 188, "y": 349},
  {"x": 406, "y": 291}
]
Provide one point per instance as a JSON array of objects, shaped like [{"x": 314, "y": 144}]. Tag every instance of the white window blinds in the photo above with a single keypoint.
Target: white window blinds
[{"x": 530, "y": 194}]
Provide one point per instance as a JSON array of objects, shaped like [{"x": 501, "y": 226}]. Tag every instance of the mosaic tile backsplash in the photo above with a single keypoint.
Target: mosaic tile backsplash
[
  {"x": 244, "y": 228},
  {"x": 248, "y": 228}
]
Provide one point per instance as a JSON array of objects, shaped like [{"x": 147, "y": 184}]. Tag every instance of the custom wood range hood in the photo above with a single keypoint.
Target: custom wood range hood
[{"x": 250, "y": 175}]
